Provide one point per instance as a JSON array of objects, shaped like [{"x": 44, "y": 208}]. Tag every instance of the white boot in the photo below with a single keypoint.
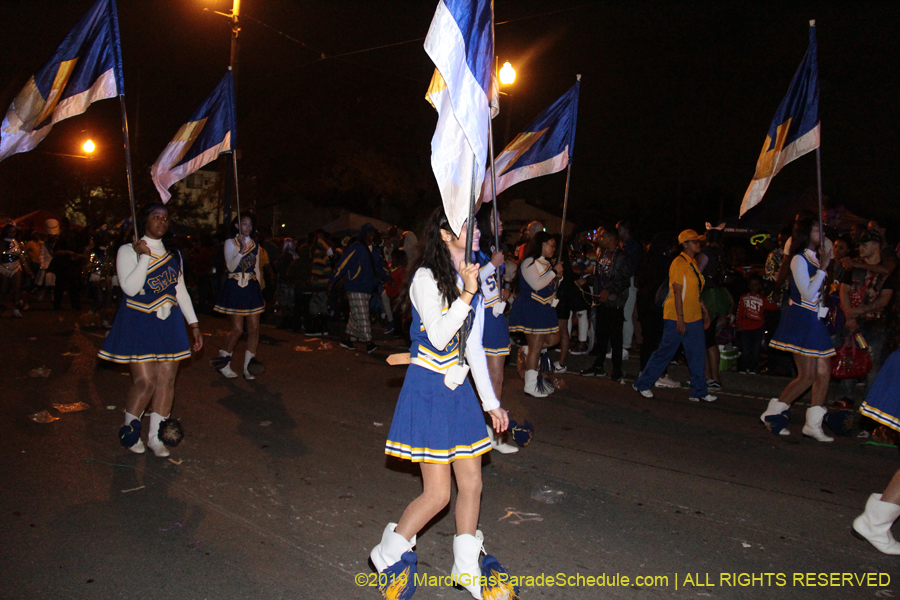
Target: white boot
[
  {"x": 775, "y": 409},
  {"x": 874, "y": 525},
  {"x": 531, "y": 388},
  {"x": 248, "y": 356},
  {"x": 813, "y": 427},
  {"x": 467, "y": 562},
  {"x": 138, "y": 446},
  {"x": 499, "y": 445},
  {"x": 159, "y": 449},
  {"x": 391, "y": 556},
  {"x": 392, "y": 547},
  {"x": 226, "y": 370}
]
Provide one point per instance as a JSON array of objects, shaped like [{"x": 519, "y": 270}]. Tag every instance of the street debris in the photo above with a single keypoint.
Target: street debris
[
  {"x": 176, "y": 462},
  {"x": 110, "y": 407},
  {"x": 377, "y": 424},
  {"x": 74, "y": 407},
  {"x": 133, "y": 489},
  {"x": 39, "y": 372},
  {"x": 746, "y": 545},
  {"x": 546, "y": 494},
  {"x": 516, "y": 517},
  {"x": 43, "y": 417},
  {"x": 265, "y": 423},
  {"x": 302, "y": 349},
  {"x": 71, "y": 354}
]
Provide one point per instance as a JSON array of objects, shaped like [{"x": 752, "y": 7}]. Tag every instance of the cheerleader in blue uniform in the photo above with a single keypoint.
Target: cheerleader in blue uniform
[
  {"x": 438, "y": 422},
  {"x": 883, "y": 405},
  {"x": 148, "y": 333},
  {"x": 803, "y": 333},
  {"x": 533, "y": 312},
  {"x": 241, "y": 298},
  {"x": 496, "y": 327}
]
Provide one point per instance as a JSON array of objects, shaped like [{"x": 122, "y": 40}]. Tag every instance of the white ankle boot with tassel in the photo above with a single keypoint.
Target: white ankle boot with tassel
[
  {"x": 874, "y": 525},
  {"x": 813, "y": 427}
]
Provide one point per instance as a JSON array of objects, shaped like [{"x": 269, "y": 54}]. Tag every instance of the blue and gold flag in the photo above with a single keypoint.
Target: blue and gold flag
[
  {"x": 545, "y": 146},
  {"x": 794, "y": 131},
  {"x": 210, "y": 131},
  {"x": 85, "y": 68}
]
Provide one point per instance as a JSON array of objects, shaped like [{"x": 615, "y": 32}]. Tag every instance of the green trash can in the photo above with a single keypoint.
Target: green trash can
[{"x": 728, "y": 357}]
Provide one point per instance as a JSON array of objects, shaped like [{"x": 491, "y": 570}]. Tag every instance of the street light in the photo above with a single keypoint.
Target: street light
[
  {"x": 507, "y": 74},
  {"x": 89, "y": 146}
]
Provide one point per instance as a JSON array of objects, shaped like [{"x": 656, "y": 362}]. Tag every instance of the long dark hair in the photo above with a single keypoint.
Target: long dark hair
[
  {"x": 141, "y": 226},
  {"x": 535, "y": 246},
  {"x": 800, "y": 236},
  {"x": 434, "y": 255}
]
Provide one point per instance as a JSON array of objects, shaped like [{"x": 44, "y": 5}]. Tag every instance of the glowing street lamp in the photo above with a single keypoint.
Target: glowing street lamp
[
  {"x": 507, "y": 74},
  {"x": 89, "y": 147}
]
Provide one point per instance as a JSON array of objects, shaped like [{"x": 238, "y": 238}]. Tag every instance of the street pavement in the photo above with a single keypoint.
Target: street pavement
[{"x": 281, "y": 486}]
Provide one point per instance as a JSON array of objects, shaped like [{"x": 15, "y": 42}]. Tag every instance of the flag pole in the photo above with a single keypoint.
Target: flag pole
[
  {"x": 237, "y": 193},
  {"x": 562, "y": 227},
  {"x": 812, "y": 25},
  {"x": 470, "y": 232},
  {"x": 494, "y": 209},
  {"x": 128, "y": 167}
]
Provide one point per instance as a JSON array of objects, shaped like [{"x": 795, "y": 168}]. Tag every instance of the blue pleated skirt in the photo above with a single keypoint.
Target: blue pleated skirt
[
  {"x": 530, "y": 316},
  {"x": 237, "y": 300},
  {"x": 143, "y": 337},
  {"x": 883, "y": 401},
  {"x": 802, "y": 332},
  {"x": 435, "y": 424},
  {"x": 496, "y": 334}
]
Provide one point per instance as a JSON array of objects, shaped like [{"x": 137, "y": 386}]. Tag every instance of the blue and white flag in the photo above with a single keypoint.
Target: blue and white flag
[
  {"x": 794, "y": 131},
  {"x": 460, "y": 42},
  {"x": 545, "y": 146},
  {"x": 210, "y": 131},
  {"x": 85, "y": 68}
]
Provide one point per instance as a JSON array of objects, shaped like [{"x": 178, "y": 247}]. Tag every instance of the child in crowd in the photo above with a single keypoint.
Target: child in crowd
[{"x": 750, "y": 322}]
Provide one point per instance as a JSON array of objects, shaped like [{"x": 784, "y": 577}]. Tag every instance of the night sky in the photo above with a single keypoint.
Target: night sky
[{"x": 676, "y": 100}]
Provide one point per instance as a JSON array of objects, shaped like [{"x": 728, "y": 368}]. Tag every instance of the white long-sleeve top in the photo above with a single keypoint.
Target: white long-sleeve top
[
  {"x": 538, "y": 273},
  {"x": 131, "y": 269},
  {"x": 808, "y": 287},
  {"x": 233, "y": 257},
  {"x": 441, "y": 327}
]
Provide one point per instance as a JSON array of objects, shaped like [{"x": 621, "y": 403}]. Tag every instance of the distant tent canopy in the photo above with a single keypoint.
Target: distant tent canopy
[{"x": 351, "y": 223}]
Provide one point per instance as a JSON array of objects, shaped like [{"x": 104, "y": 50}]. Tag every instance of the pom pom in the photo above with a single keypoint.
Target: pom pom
[
  {"x": 840, "y": 421},
  {"x": 170, "y": 432},
  {"x": 545, "y": 365},
  {"x": 497, "y": 583},
  {"x": 775, "y": 423},
  {"x": 543, "y": 384},
  {"x": 398, "y": 581},
  {"x": 130, "y": 434},
  {"x": 522, "y": 434}
]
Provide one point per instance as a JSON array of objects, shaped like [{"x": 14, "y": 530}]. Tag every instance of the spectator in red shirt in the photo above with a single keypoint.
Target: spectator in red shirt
[{"x": 750, "y": 322}]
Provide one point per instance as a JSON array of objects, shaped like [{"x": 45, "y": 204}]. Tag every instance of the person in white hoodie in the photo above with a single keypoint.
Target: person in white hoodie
[{"x": 148, "y": 333}]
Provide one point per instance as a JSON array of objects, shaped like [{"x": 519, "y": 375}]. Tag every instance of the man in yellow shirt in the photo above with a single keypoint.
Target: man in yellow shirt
[{"x": 686, "y": 318}]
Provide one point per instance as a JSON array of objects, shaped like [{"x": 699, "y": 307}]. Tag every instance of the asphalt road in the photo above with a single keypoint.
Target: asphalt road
[{"x": 281, "y": 486}]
